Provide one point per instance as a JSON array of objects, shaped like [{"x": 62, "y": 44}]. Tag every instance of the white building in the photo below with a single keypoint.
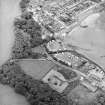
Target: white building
[{"x": 56, "y": 81}]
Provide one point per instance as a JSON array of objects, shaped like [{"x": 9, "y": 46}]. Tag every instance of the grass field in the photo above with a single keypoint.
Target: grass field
[{"x": 36, "y": 68}]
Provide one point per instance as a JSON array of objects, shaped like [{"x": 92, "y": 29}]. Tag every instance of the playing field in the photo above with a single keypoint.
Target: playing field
[{"x": 36, "y": 68}]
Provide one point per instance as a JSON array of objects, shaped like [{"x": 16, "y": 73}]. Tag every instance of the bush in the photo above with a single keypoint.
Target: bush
[
  {"x": 68, "y": 74},
  {"x": 32, "y": 28},
  {"x": 22, "y": 47},
  {"x": 27, "y": 15},
  {"x": 100, "y": 99},
  {"x": 27, "y": 25},
  {"x": 24, "y": 4},
  {"x": 38, "y": 55}
]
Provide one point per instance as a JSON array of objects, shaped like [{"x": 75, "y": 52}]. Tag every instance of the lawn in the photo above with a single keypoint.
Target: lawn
[{"x": 36, "y": 68}]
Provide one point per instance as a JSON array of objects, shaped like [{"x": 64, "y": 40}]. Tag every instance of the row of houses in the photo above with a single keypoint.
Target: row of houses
[
  {"x": 93, "y": 76},
  {"x": 55, "y": 46},
  {"x": 59, "y": 19},
  {"x": 94, "y": 80},
  {"x": 68, "y": 10}
]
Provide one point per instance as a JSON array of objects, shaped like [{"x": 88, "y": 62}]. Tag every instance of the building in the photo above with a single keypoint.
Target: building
[
  {"x": 85, "y": 82},
  {"x": 55, "y": 80}
]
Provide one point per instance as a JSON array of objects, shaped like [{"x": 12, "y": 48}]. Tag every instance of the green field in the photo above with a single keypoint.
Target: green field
[{"x": 36, "y": 68}]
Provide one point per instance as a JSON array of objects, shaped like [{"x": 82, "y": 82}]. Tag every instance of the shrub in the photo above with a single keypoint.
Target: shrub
[
  {"x": 22, "y": 47},
  {"x": 32, "y": 28},
  {"x": 68, "y": 74},
  {"x": 24, "y": 4}
]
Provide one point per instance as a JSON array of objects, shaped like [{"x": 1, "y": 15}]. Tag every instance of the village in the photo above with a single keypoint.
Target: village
[{"x": 58, "y": 19}]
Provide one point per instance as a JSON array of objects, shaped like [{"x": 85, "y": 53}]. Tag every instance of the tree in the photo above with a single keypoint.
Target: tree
[
  {"x": 68, "y": 74},
  {"x": 100, "y": 99},
  {"x": 22, "y": 47},
  {"x": 35, "y": 91},
  {"x": 23, "y": 5},
  {"x": 32, "y": 28},
  {"x": 26, "y": 15}
]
